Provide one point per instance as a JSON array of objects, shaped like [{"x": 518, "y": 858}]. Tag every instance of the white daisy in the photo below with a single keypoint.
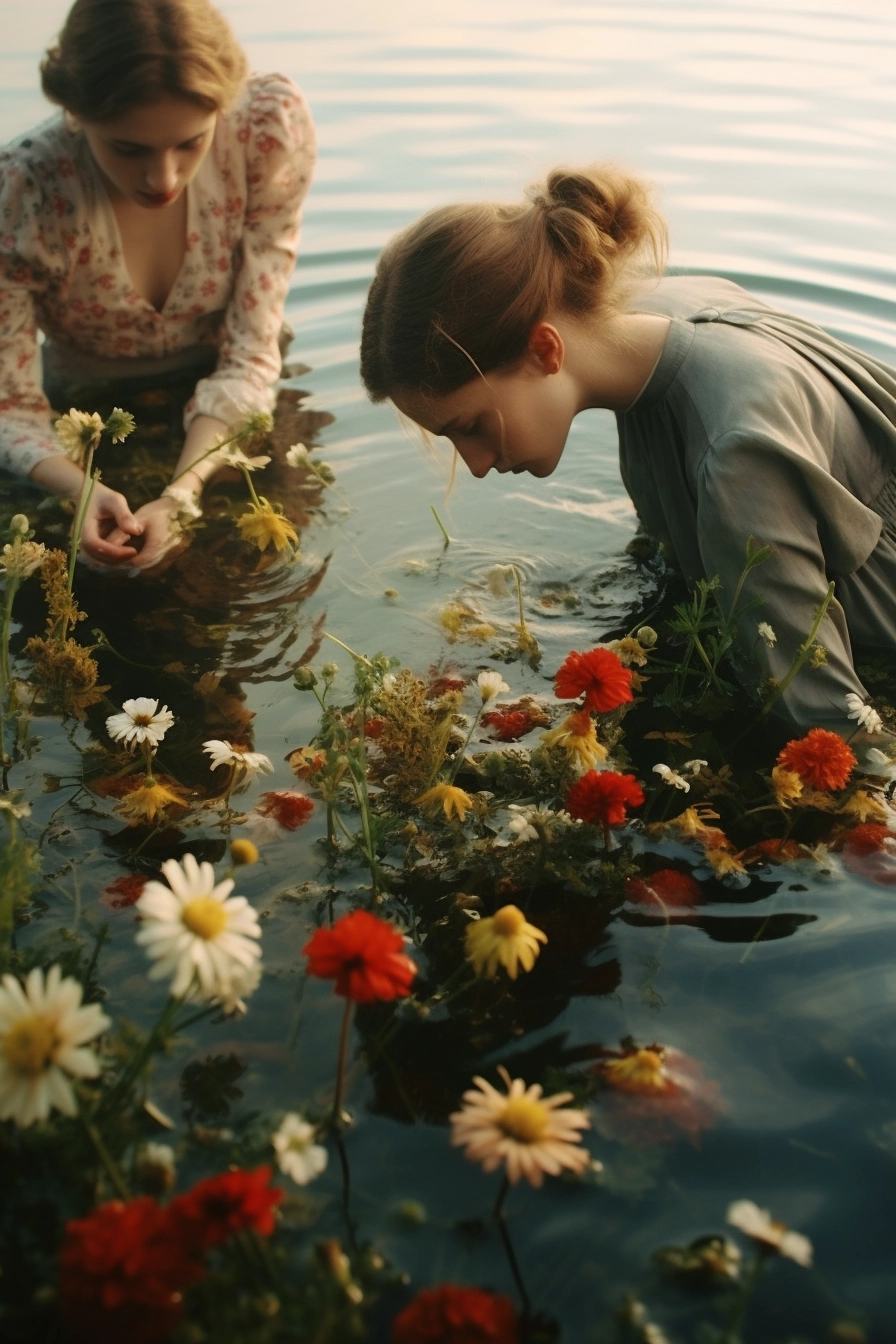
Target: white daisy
[
  {"x": 672, "y": 777},
  {"x": 231, "y": 455},
  {"x": 759, "y": 1224},
  {"x": 766, "y": 634},
  {"x": 225, "y": 753},
  {"x": 491, "y": 684},
  {"x": 140, "y": 721},
  {"x": 43, "y": 1031},
  {"x": 79, "y": 433},
  {"x": 297, "y": 455},
  {"x": 298, "y": 1156},
  {"x": 193, "y": 932},
  {"x": 866, "y": 716}
]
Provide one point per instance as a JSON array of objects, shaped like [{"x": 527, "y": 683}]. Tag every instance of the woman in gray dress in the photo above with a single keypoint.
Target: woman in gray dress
[{"x": 495, "y": 325}]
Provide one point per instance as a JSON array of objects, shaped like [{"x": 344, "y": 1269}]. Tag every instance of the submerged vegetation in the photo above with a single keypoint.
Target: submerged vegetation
[{"x": 476, "y": 845}]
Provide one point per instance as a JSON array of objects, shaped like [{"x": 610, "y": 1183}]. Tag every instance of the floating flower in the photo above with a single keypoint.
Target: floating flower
[
  {"x": 655, "y": 1094},
  {"x": 288, "y": 807},
  {"x": 123, "y": 891},
  {"x": 630, "y": 652},
  {"x": 298, "y": 1156},
  {"x": 15, "y": 806},
  {"x": 220, "y": 1206},
  {"x": 452, "y": 1314},
  {"x": 601, "y": 797},
  {"x": 243, "y": 853},
  {"x": 530, "y": 1134},
  {"x": 766, "y": 634},
  {"x": 453, "y": 801},
  {"x": 787, "y": 786},
  {"x": 195, "y": 931},
  {"x": 264, "y": 525},
  {"x": 865, "y": 806},
  {"x": 672, "y": 777},
  {"x": 297, "y": 455},
  {"x": 230, "y": 455},
  {"x": 866, "y": 716},
  {"x": 79, "y": 434},
  {"x": 365, "y": 956},
  {"x": 869, "y": 851},
  {"x": 578, "y": 736},
  {"x": 306, "y": 762},
  {"x": 723, "y": 862},
  {"x": 140, "y": 721},
  {"x": 758, "y": 1223},
  {"x": 124, "y": 1270},
  {"x": 148, "y": 800},
  {"x": 598, "y": 675},
  {"x": 821, "y": 759},
  {"x": 491, "y": 684},
  {"x": 509, "y": 725},
  {"x": 504, "y": 939},
  {"x": 44, "y": 1029},
  {"x": 19, "y": 559},
  {"x": 693, "y": 824},
  {"x": 241, "y": 758}
]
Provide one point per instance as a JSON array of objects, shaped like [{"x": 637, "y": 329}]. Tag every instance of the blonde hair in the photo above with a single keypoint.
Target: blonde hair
[
  {"x": 113, "y": 55},
  {"x": 459, "y": 292}
]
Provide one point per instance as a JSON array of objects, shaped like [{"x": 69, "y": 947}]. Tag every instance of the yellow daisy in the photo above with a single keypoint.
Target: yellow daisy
[
  {"x": 787, "y": 785},
  {"x": 148, "y": 802},
  {"x": 577, "y": 735},
  {"x": 264, "y": 525},
  {"x": 505, "y": 939},
  {"x": 453, "y": 801}
]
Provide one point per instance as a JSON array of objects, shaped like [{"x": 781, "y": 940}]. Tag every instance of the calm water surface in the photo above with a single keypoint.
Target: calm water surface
[{"x": 770, "y": 131}]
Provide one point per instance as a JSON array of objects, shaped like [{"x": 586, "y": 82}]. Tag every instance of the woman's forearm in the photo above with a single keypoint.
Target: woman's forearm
[
  {"x": 59, "y": 475},
  {"x": 194, "y": 468}
]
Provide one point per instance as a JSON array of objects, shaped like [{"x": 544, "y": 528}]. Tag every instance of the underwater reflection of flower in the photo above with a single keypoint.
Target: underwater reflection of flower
[
  {"x": 821, "y": 759},
  {"x": 529, "y": 1134},
  {"x": 654, "y": 1094},
  {"x": 265, "y": 525},
  {"x": 288, "y": 807},
  {"x": 601, "y": 797},
  {"x": 453, "y": 801},
  {"x": 194, "y": 931},
  {"x": 508, "y": 725},
  {"x": 364, "y": 955},
  {"x": 148, "y": 801},
  {"x": 504, "y": 939},
  {"x": 758, "y": 1223},
  {"x": 454, "y": 1314},
  {"x": 44, "y": 1029},
  {"x": 140, "y": 721},
  {"x": 123, "y": 1273},
  {"x": 598, "y": 675}
]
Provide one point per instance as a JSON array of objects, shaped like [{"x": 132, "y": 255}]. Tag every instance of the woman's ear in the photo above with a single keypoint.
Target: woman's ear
[
  {"x": 72, "y": 123},
  {"x": 546, "y": 346}
]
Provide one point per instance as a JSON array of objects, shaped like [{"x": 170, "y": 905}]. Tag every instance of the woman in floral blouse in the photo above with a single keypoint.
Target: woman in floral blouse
[{"x": 150, "y": 227}]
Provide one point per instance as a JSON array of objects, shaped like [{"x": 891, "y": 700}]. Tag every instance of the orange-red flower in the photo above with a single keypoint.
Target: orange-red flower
[
  {"x": 123, "y": 891},
  {"x": 289, "y": 808},
  {"x": 452, "y": 1314},
  {"x": 821, "y": 759},
  {"x": 869, "y": 851},
  {"x": 602, "y": 796},
  {"x": 365, "y": 956},
  {"x": 220, "y": 1206},
  {"x": 668, "y": 887},
  {"x": 123, "y": 1272},
  {"x": 508, "y": 725},
  {"x": 598, "y": 675}
]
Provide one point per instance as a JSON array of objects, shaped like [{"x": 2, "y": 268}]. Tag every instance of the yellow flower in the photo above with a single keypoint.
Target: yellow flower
[
  {"x": 723, "y": 862},
  {"x": 577, "y": 735},
  {"x": 864, "y": 806},
  {"x": 264, "y": 525},
  {"x": 528, "y": 1133},
  {"x": 79, "y": 433},
  {"x": 640, "y": 1071},
  {"x": 148, "y": 802},
  {"x": 629, "y": 651},
  {"x": 243, "y": 852},
  {"x": 787, "y": 785},
  {"x": 505, "y": 939},
  {"x": 454, "y": 802}
]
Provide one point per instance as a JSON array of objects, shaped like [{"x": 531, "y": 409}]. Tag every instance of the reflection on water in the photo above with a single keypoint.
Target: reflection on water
[{"x": 769, "y": 131}]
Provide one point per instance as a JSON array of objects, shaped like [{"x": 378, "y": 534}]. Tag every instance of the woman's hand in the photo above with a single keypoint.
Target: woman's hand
[
  {"x": 160, "y": 532},
  {"x": 109, "y": 527}
]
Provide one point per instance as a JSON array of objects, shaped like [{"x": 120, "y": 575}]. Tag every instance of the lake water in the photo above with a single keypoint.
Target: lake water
[{"x": 769, "y": 130}]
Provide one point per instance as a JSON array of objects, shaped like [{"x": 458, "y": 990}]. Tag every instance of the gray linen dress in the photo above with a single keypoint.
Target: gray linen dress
[{"x": 757, "y": 423}]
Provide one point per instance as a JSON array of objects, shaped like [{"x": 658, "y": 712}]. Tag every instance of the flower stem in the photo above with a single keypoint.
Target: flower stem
[
  {"x": 508, "y": 1247},
  {"x": 802, "y": 653},
  {"x": 105, "y": 1158},
  {"x": 732, "y": 1333},
  {"x": 358, "y": 656},
  {"x": 78, "y": 527},
  {"x": 336, "y": 1118},
  {"x": 435, "y": 515}
]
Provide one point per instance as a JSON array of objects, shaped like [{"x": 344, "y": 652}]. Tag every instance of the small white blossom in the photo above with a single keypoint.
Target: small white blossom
[
  {"x": 298, "y": 1156},
  {"x": 866, "y": 716},
  {"x": 140, "y": 721},
  {"x": 758, "y": 1223},
  {"x": 491, "y": 684},
  {"x": 521, "y": 828},
  {"x": 43, "y": 1031},
  {"x": 231, "y": 455},
  {"x": 694, "y": 766},
  {"x": 225, "y": 753},
  {"x": 672, "y": 777},
  {"x": 501, "y": 580},
  {"x": 297, "y": 455},
  {"x": 766, "y": 633},
  {"x": 19, "y": 559}
]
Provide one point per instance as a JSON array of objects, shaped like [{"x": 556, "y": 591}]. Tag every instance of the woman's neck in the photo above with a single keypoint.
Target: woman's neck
[{"x": 610, "y": 360}]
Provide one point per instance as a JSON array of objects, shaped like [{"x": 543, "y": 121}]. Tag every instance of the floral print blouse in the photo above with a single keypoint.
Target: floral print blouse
[{"x": 62, "y": 269}]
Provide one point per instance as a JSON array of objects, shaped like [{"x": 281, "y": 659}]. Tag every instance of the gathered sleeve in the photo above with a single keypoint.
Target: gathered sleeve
[
  {"x": 278, "y": 135},
  {"x": 32, "y": 258}
]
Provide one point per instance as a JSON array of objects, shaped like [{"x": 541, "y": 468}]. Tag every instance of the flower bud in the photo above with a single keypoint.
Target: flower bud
[
  {"x": 19, "y": 525},
  {"x": 304, "y": 678},
  {"x": 243, "y": 853},
  {"x": 646, "y": 636}
]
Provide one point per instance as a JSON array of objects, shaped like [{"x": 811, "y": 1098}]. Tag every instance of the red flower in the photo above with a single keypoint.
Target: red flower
[
  {"x": 219, "y": 1206},
  {"x": 654, "y": 1095},
  {"x": 601, "y": 797},
  {"x": 508, "y": 724},
  {"x": 289, "y": 808},
  {"x": 451, "y": 1314},
  {"x": 821, "y": 759},
  {"x": 123, "y": 891},
  {"x": 599, "y": 676},
  {"x": 868, "y": 838},
  {"x": 667, "y": 887},
  {"x": 364, "y": 955},
  {"x": 869, "y": 851},
  {"x": 123, "y": 1271}
]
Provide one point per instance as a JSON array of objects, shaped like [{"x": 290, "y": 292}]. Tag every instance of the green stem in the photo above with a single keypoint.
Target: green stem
[
  {"x": 105, "y": 1158},
  {"x": 736, "y": 1320},
  {"x": 247, "y": 476},
  {"x": 78, "y": 527},
  {"x": 359, "y": 657},
  {"x": 340, "y": 1065},
  {"x": 802, "y": 653},
  {"x": 441, "y": 525},
  {"x": 459, "y": 758}
]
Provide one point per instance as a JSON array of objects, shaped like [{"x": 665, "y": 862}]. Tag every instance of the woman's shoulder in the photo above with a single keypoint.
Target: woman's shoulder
[
  {"x": 38, "y": 190},
  {"x": 41, "y": 155},
  {"x": 691, "y": 296},
  {"x": 271, "y": 108}
]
